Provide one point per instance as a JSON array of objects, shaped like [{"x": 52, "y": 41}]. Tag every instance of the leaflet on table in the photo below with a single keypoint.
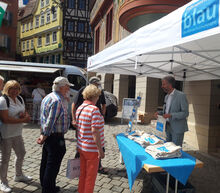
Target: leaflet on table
[{"x": 144, "y": 139}]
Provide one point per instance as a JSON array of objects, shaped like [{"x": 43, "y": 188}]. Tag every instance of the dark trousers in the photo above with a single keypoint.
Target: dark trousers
[{"x": 53, "y": 151}]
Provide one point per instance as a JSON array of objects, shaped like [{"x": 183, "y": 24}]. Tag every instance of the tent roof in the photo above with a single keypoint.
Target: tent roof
[{"x": 184, "y": 43}]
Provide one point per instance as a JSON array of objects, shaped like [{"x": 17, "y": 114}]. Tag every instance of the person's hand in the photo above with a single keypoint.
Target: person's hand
[
  {"x": 41, "y": 139},
  {"x": 27, "y": 118},
  {"x": 101, "y": 154},
  {"x": 74, "y": 122},
  {"x": 166, "y": 116},
  {"x": 21, "y": 115},
  {"x": 156, "y": 115}
]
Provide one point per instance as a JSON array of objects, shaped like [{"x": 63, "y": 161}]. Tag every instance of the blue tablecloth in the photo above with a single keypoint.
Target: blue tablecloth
[{"x": 135, "y": 157}]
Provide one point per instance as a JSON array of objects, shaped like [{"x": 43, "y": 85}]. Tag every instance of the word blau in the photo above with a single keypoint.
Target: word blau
[{"x": 200, "y": 16}]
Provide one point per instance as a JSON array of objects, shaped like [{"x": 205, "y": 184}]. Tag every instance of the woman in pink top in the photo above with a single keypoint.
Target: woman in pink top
[{"x": 90, "y": 138}]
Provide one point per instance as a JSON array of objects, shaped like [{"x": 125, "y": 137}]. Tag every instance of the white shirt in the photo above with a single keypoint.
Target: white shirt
[
  {"x": 168, "y": 102},
  {"x": 38, "y": 94},
  {"x": 11, "y": 130}
]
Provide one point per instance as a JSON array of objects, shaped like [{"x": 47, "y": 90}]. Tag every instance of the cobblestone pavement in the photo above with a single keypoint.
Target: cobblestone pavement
[{"x": 205, "y": 180}]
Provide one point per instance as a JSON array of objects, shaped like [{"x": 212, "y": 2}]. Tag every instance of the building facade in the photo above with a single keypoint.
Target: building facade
[
  {"x": 41, "y": 32},
  {"x": 8, "y": 32},
  {"x": 77, "y": 37},
  {"x": 111, "y": 21}
]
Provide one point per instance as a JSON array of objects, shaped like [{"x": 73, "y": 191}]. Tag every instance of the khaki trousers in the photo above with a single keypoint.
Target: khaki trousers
[{"x": 17, "y": 144}]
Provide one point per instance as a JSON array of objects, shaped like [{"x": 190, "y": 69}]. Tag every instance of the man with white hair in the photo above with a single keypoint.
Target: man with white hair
[{"x": 54, "y": 124}]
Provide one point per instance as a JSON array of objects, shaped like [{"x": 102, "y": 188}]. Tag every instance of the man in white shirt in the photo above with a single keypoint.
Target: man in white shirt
[
  {"x": 175, "y": 111},
  {"x": 38, "y": 94}
]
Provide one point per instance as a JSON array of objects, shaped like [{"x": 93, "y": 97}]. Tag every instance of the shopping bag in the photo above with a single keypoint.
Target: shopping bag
[{"x": 73, "y": 168}]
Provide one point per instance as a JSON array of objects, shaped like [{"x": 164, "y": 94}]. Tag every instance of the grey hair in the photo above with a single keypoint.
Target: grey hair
[
  {"x": 171, "y": 80},
  {"x": 56, "y": 87},
  {"x": 2, "y": 78}
]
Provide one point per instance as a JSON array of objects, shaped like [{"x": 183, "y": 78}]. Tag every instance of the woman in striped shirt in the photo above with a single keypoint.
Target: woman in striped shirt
[{"x": 90, "y": 138}]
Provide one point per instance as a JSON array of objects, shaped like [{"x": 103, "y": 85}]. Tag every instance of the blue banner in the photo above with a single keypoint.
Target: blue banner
[{"x": 200, "y": 16}]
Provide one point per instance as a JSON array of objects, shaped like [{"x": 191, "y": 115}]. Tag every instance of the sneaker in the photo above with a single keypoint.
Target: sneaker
[
  {"x": 5, "y": 188},
  {"x": 22, "y": 178}
]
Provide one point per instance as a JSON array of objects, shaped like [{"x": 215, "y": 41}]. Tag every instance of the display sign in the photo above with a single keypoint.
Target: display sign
[
  {"x": 160, "y": 127},
  {"x": 127, "y": 108}
]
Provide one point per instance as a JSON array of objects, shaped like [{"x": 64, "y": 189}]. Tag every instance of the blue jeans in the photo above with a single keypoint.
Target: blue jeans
[{"x": 53, "y": 151}]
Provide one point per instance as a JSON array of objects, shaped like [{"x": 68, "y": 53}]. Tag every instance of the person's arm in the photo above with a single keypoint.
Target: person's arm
[
  {"x": 103, "y": 109},
  {"x": 96, "y": 137},
  {"x": 95, "y": 126},
  {"x": 11, "y": 120},
  {"x": 103, "y": 102},
  {"x": 73, "y": 112}
]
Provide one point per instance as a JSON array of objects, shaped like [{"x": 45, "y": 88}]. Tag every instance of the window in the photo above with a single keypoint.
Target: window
[
  {"x": 37, "y": 21},
  {"x": 81, "y": 27},
  {"x": 70, "y": 46},
  {"x": 80, "y": 46},
  {"x": 31, "y": 25},
  {"x": 39, "y": 41},
  {"x": 47, "y": 2},
  {"x": 89, "y": 28},
  {"x": 5, "y": 42},
  {"x": 97, "y": 34},
  {"x": 81, "y": 4},
  {"x": 27, "y": 26},
  {"x": 46, "y": 59},
  {"x": 77, "y": 80},
  {"x": 71, "y": 4},
  {"x": 27, "y": 45},
  {"x": 47, "y": 39},
  {"x": 50, "y": 59},
  {"x": 109, "y": 26},
  {"x": 48, "y": 16},
  {"x": 57, "y": 59},
  {"x": 70, "y": 26},
  {"x": 89, "y": 47},
  {"x": 23, "y": 27},
  {"x": 8, "y": 18},
  {"x": 23, "y": 46},
  {"x": 42, "y": 3},
  {"x": 55, "y": 14},
  {"x": 42, "y": 19},
  {"x": 54, "y": 37},
  {"x": 53, "y": 59},
  {"x": 32, "y": 44}
]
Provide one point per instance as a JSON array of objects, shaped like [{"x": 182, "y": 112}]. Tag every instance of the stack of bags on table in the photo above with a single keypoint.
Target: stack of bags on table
[
  {"x": 164, "y": 151},
  {"x": 155, "y": 146}
]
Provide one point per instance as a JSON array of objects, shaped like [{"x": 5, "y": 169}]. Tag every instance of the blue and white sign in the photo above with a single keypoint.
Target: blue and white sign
[{"x": 200, "y": 16}]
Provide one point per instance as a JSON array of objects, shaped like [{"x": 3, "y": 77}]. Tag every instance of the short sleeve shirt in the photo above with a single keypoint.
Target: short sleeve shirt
[
  {"x": 38, "y": 94},
  {"x": 15, "y": 108}
]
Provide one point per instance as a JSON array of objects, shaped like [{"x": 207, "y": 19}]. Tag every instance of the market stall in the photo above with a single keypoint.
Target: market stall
[{"x": 184, "y": 43}]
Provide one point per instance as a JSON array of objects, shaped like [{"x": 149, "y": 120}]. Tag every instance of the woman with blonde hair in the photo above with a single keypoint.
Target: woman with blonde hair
[
  {"x": 90, "y": 138},
  {"x": 12, "y": 115}
]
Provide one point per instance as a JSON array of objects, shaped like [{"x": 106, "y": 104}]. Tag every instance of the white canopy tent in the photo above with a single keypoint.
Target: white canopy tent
[{"x": 185, "y": 43}]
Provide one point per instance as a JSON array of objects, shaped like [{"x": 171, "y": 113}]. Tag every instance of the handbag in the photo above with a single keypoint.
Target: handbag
[{"x": 73, "y": 168}]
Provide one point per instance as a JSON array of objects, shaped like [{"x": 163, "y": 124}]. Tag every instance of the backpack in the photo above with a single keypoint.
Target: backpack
[{"x": 8, "y": 102}]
